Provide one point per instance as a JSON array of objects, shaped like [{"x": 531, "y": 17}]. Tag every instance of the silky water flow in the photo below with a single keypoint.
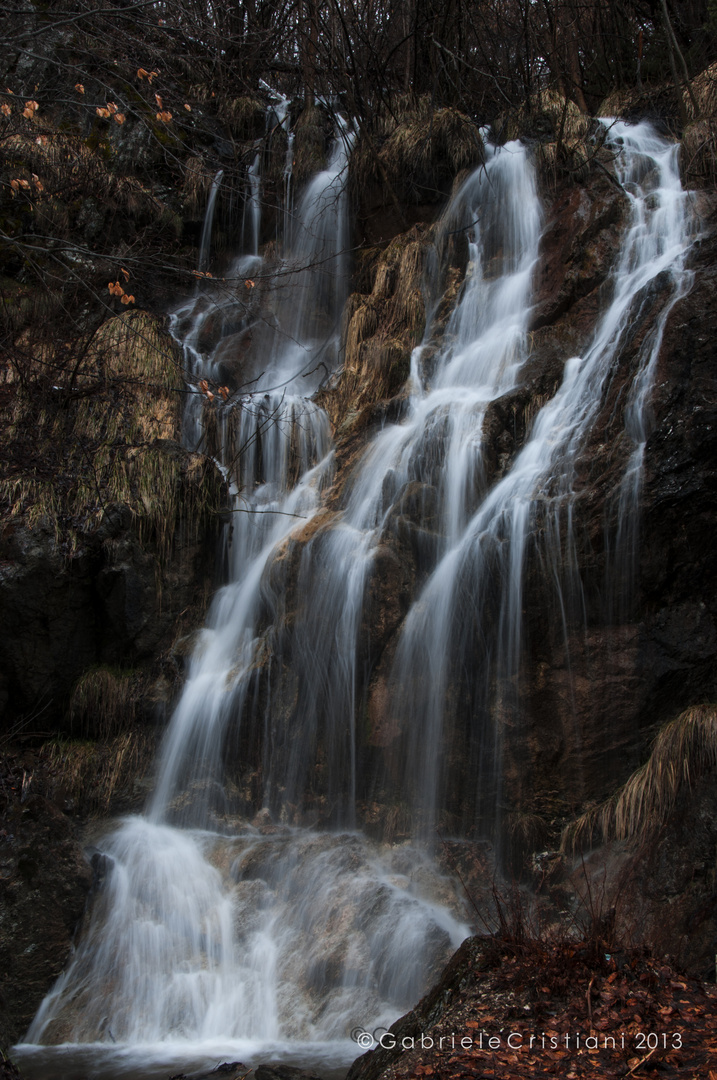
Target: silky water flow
[{"x": 214, "y": 939}]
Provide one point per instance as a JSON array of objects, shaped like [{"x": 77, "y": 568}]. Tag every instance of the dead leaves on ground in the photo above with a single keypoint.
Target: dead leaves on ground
[{"x": 564, "y": 1011}]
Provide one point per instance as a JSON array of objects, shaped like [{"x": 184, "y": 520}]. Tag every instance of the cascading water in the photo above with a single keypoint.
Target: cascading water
[
  {"x": 470, "y": 612},
  {"x": 220, "y": 938},
  {"x": 439, "y": 444},
  {"x": 205, "y": 242},
  {"x": 257, "y": 940},
  {"x": 252, "y": 210}
]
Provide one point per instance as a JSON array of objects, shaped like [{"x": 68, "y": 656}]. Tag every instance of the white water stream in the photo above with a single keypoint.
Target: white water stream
[{"x": 223, "y": 939}]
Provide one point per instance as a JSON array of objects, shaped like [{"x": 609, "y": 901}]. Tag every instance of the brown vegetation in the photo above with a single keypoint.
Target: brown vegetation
[{"x": 683, "y": 750}]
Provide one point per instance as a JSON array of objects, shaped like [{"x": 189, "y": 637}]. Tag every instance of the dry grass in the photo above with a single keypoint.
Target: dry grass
[
  {"x": 549, "y": 117},
  {"x": 683, "y": 750},
  {"x": 699, "y": 152},
  {"x": 246, "y": 116},
  {"x": 105, "y": 701},
  {"x": 310, "y": 144},
  {"x": 379, "y": 332},
  {"x": 111, "y": 440},
  {"x": 699, "y": 139},
  {"x": 66, "y": 164},
  {"x": 419, "y": 155},
  {"x": 561, "y": 131},
  {"x": 196, "y": 184},
  {"x": 92, "y": 777},
  {"x": 704, "y": 89}
]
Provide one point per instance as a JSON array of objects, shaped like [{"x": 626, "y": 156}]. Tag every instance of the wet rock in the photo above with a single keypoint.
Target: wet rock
[
  {"x": 44, "y": 882},
  {"x": 283, "y": 1072},
  {"x": 227, "y": 1070},
  {"x": 114, "y": 602}
]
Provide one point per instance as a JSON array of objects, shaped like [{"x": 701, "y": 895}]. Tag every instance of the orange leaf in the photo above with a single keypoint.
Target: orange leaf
[
  {"x": 164, "y": 116},
  {"x": 127, "y": 299},
  {"x": 120, "y": 118},
  {"x": 104, "y": 113},
  {"x": 125, "y": 273},
  {"x": 158, "y": 99},
  {"x": 112, "y": 107},
  {"x": 187, "y": 107},
  {"x": 249, "y": 283},
  {"x": 142, "y": 73},
  {"x": 5, "y": 109},
  {"x": 79, "y": 88}
]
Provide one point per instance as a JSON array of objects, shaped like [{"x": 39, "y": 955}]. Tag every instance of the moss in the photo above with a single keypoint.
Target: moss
[
  {"x": 116, "y": 434},
  {"x": 105, "y": 701},
  {"x": 92, "y": 776},
  {"x": 244, "y": 116},
  {"x": 419, "y": 155},
  {"x": 310, "y": 143}
]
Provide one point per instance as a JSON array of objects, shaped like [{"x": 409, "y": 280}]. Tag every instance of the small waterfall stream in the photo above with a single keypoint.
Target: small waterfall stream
[{"x": 213, "y": 937}]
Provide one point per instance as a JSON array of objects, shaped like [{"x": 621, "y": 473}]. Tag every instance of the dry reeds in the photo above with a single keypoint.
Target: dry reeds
[
  {"x": 704, "y": 91},
  {"x": 116, "y": 426},
  {"x": 105, "y": 701},
  {"x": 246, "y": 116},
  {"x": 683, "y": 750},
  {"x": 380, "y": 330},
  {"x": 310, "y": 143},
  {"x": 420, "y": 155},
  {"x": 196, "y": 184},
  {"x": 66, "y": 164},
  {"x": 92, "y": 777},
  {"x": 699, "y": 152},
  {"x": 699, "y": 140}
]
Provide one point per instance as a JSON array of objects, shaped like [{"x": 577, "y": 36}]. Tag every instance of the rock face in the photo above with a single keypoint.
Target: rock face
[
  {"x": 44, "y": 882},
  {"x": 113, "y": 603},
  {"x": 598, "y": 680},
  {"x": 109, "y": 527}
]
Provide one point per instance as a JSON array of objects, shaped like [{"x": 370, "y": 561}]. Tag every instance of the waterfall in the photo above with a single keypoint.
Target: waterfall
[
  {"x": 214, "y": 936},
  {"x": 252, "y": 209},
  {"x": 499, "y": 206},
  {"x": 663, "y": 231},
  {"x": 221, "y": 937},
  {"x": 469, "y": 614},
  {"x": 205, "y": 242}
]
